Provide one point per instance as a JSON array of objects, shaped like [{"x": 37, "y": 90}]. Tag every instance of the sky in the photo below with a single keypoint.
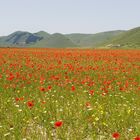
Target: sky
[{"x": 68, "y": 16}]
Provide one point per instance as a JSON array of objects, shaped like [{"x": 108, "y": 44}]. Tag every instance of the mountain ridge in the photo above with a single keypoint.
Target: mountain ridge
[{"x": 58, "y": 40}]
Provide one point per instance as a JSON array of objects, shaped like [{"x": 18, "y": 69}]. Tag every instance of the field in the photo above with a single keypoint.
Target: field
[{"x": 69, "y": 94}]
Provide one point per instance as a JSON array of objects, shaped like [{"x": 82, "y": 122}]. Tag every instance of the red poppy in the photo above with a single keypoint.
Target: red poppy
[
  {"x": 30, "y": 104},
  {"x": 17, "y": 99},
  {"x": 73, "y": 88},
  {"x": 49, "y": 87},
  {"x": 88, "y": 104},
  {"x": 91, "y": 92},
  {"x": 58, "y": 124},
  {"x": 122, "y": 89},
  {"x": 137, "y": 138},
  {"x": 10, "y": 78},
  {"x": 42, "y": 89},
  {"x": 116, "y": 135}
]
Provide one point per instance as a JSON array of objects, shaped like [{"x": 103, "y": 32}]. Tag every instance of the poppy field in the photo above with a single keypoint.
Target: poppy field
[{"x": 69, "y": 94}]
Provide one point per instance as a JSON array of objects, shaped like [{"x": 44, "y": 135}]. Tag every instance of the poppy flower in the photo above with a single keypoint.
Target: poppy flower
[
  {"x": 137, "y": 138},
  {"x": 116, "y": 135},
  {"x": 58, "y": 124},
  {"x": 122, "y": 89},
  {"x": 17, "y": 99},
  {"x": 88, "y": 104},
  {"x": 91, "y": 92},
  {"x": 30, "y": 104},
  {"x": 42, "y": 89},
  {"x": 73, "y": 88},
  {"x": 49, "y": 87},
  {"x": 10, "y": 78}
]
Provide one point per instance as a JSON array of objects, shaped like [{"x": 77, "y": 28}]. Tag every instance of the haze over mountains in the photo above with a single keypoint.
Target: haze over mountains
[{"x": 118, "y": 38}]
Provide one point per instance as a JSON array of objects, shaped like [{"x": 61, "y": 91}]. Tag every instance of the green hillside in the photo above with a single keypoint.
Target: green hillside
[
  {"x": 56, "y": 40},
  {"x": 93, "y": 40},
  {"x": 129, "y": 39},
  {"x": 42, "y": 34}
]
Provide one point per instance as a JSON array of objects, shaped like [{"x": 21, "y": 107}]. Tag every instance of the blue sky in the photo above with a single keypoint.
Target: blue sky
[{"x": 68, "y": 16}]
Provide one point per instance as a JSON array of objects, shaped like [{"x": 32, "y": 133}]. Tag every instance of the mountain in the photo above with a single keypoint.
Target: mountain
[
  {"x": 92, "y": 40},
  {"x": 19, "y": 38},
  {"x": 56, "y": 40},
  {"x": 39, "y": 39},
  {"x": 129, "y": 39},
  {"x": 110, "y": 39},
  {"x": 42, "y": 34}
]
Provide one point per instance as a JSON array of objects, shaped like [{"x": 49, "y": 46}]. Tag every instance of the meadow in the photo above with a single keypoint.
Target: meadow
[{"x": 69, "y": 94}]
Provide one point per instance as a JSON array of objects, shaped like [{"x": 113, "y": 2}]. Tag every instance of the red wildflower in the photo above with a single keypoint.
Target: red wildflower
[
  {"x": 73, "y": 88},
  {"x": 30, "y": 104},
  {"x": 58, "y": 124},
  {"x": 49, "y": 87},
  {"x": 10, "y": 78},
  {"x": 91, "y": 92},
  {"x": 88, "y": 104},
  {"x": 122, "y": 89},
  {"x": 137, "y": 138},
  {"x": 116, "y": 135},
  {"x": 42, "y": 89},
  {"x": 17, "y": 99}
]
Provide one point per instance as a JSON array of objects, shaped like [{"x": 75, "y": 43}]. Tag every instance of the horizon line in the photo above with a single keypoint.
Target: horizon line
[{"x": 69, "y": 33}]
